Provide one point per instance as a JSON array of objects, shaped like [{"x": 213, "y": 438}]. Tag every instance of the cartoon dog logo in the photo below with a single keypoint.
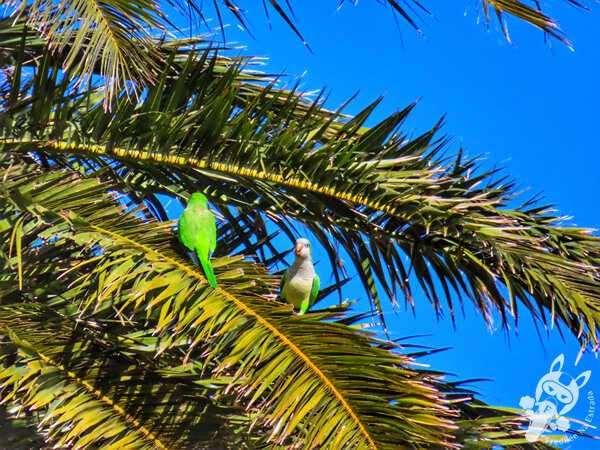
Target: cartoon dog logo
[{"x": 555, "y": 395}]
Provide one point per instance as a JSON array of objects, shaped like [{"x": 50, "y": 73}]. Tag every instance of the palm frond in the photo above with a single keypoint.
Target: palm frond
[
  {"x": 530, "y": 13},
  {"x": 43, "y": 384},
  {"x": 103, "y": 319}
]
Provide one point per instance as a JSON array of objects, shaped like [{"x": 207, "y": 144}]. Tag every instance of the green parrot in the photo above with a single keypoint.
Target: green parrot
[
  {"x": 198, "y": 233},
  {"x": 300, "y": 283}
]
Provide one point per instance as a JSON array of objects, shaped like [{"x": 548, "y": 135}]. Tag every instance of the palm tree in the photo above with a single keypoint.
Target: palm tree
[{"x": 112, "y": 338}]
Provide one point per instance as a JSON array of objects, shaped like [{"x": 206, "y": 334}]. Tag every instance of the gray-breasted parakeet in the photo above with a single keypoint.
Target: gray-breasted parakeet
[
  {"x": 198, "y": 233},
  {"x": 300, "y": 283}
]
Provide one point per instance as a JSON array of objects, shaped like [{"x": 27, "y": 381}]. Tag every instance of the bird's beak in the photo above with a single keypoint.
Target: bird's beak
[{"x": 298, "y": 249}]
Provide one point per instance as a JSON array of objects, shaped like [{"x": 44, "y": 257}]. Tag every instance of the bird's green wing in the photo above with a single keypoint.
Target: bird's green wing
[
  {"x": 315, "y": 290},
  {"x": 306, "y": 305},
  {"x": 210, "y": 225},
  {"x": 187, "y": 231},
  {"x": 282, "y": 284},
  {"x": 206, "y": 241}
]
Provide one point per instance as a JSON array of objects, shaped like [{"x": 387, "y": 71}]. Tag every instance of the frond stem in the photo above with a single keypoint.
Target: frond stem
[{"x": 182, "y": 161}]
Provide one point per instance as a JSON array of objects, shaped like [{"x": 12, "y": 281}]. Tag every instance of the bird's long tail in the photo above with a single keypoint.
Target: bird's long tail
[{"x": 208, "y": 271}]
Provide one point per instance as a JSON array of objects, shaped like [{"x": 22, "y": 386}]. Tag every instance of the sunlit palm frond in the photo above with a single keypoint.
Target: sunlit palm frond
[
  {"x": 110, "y": 336},
  {"x": 63, "y": 397},
  {"x": 100, "y": 313}
]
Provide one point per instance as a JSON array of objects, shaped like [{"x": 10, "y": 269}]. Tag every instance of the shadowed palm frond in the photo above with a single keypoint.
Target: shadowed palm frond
[{"x": 18, "y": 432}]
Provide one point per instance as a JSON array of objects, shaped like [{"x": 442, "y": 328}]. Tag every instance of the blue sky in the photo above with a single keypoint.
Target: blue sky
[{"x": 530, "y": 106}]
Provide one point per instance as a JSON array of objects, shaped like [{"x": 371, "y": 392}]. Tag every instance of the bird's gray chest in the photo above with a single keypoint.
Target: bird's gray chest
[{"x": 299, "y": 283}]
